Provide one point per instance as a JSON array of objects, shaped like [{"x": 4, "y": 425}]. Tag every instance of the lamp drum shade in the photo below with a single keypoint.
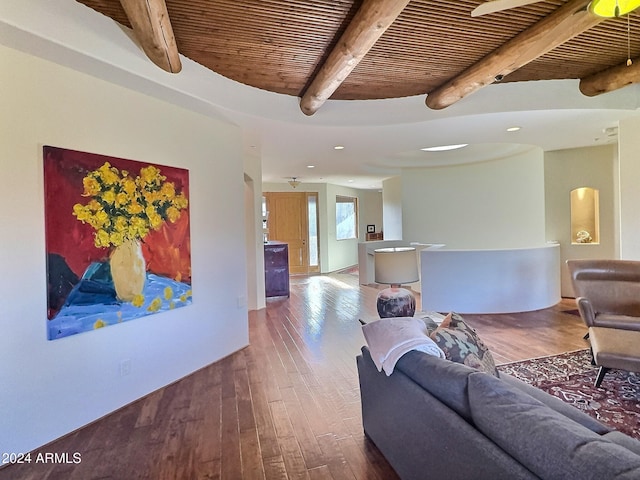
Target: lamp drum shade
[{"x": 395, "y": 266}]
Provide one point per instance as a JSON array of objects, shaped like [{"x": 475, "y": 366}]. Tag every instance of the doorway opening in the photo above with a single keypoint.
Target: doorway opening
[{"x": 292, "y": 217}]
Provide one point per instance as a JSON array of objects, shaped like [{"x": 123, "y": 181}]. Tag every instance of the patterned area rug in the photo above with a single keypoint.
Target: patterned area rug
[{"x": 570, "y": 376}]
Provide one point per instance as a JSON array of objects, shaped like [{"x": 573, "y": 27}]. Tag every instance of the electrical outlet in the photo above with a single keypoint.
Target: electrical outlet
[
  {"x": 125, "y": 367},
  {"x": 242, "y": 301}
]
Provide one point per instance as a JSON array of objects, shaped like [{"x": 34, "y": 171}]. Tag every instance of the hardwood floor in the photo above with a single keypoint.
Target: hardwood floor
[{"x": 287, "y": 406}]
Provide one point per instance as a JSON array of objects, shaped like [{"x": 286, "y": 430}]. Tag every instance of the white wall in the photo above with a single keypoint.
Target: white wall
[
  {"x": 629, "y": 192},
  {"x": 370, "y": 211},
  {"x": 253, "y": 226},
  {"x": 50, "y": 388},
  {"x": 494, "y": 204},
  {"x": 564, "y": 171},
  {"x": 392, "y": 208}
]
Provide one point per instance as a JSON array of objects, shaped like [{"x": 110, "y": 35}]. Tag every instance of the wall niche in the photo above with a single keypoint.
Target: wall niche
[{"x": 585, "y": 216}]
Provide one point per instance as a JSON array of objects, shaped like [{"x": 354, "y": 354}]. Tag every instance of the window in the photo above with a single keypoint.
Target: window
[
  {"x": 346, "y": 217},
  {"x": 312, "y": 207}
]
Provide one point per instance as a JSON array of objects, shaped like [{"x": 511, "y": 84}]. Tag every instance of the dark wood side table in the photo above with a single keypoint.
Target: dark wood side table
[{"x": 276, "y": 269}]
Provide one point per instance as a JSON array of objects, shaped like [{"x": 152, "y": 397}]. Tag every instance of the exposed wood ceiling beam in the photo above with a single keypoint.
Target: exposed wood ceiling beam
[
  {"x": 563, "y": 24},
  {"x": 152, "y": 27},
  {"x": 369, "y": 23},
  {"x": 611, "y": 79}
]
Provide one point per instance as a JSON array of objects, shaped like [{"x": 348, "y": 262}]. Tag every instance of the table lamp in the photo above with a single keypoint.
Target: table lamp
[{"x": 395, "y": 266}]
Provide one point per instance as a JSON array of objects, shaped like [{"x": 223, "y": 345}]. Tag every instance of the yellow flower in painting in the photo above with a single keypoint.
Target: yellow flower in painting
[
  {"x": 99, "y": 324},
  {"x": 172, "y": 305},
  {"x": 116, "y": 238},
  {"x": 137, "y": 228},
  {"x": 155, "y": 305},
  {"x": 81, "y": 212},
  {"x": 108, "y": 174},
  {"x": 168, "y": 293},
  {"x": 109, "y": 196},
  {"x": 155, "y": 220},
  {"x": 91, "y": 186},
  {"x": 121, "y": 199},
  {"x": 102, "y": 218},
  {"x": 181, "y": 201},
  {"x": 173, "y": 214},
  {"x": 120, "y": 224},
  {"x": 168, "y": 190},
  {"x": 151, "y": 174},
  {"x": 129, "y": 186},
  {"x": 101, "y": 239},
  {"x": 186, "y": 295},
  {"x": 134, "y": 208},
  {"x": 138, "y": 300},
  {"x": 151, "y": 196}
]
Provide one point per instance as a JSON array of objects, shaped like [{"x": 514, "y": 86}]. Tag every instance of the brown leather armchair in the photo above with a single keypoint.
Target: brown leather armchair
[
  {"x": 607, "y": 292},
  {"x": 608, "y": 298}
]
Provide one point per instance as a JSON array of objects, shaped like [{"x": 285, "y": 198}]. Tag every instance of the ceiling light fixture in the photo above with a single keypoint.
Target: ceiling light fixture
[
  {"x": 613, "y": 8},
  {"x": 513, "y": 129},
  {"x": 616, "y": 8},
  {"x": 311, "y": 166},
  {"x": 444, "y": 148},
  {"x": 294, "y": 182},
  {"x": 339, "y": 147}
]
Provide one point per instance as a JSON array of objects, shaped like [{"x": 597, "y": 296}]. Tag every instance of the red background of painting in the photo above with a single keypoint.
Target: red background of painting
[{"x": 167, "y": 251}]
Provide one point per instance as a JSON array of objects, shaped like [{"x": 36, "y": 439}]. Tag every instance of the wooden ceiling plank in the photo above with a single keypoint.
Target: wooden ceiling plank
[
  {"x": 558, "y": 27},
  {"x": 611, "y": 79},
  {"x": 152, "y": 27},
  {"x": 369, "y": 23}
]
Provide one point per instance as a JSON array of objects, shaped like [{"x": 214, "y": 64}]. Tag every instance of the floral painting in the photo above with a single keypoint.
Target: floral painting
[{"x": 117, "y": 240}]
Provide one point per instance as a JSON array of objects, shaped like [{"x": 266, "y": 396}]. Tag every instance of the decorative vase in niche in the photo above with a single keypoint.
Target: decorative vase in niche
[{"x": 128, "y": 270}]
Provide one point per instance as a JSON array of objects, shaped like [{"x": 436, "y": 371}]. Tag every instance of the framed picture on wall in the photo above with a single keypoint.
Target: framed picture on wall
[
  {"x": 371, "y": 228},
  {"x": 117, "y": 240}
]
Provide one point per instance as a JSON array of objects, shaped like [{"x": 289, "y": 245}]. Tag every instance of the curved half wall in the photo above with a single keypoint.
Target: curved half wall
[{"x": 490, "y": 281}]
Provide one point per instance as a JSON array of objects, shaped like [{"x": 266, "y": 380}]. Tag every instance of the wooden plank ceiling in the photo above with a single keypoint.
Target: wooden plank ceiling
[{"x": 278, "y": 45}]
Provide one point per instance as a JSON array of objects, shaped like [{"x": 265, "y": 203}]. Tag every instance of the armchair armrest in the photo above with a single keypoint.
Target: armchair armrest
[{"x": 586, "y": 311}]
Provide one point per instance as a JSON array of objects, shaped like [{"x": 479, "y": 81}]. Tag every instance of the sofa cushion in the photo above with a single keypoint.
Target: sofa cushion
[
  {"x": 462, "y": 344},
  {"x": 543, "y": 440},
  {"x": 623, "y": 440},
  {"x": 445, "y": 380},
  {"x": 558, "y": 405}
]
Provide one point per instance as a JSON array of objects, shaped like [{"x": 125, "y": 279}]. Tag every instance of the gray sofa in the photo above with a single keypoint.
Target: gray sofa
[{"x": 436, "y": 419}]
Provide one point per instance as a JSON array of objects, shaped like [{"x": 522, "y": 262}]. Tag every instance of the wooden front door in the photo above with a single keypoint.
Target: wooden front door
[{"x": 288, "y": 223}]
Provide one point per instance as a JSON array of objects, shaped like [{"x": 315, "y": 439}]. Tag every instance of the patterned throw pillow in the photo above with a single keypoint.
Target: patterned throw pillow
[{"x": 462, "y": 344}]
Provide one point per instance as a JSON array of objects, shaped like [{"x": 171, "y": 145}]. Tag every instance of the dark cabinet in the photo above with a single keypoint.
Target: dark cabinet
[{"x": 276, "y": 269}]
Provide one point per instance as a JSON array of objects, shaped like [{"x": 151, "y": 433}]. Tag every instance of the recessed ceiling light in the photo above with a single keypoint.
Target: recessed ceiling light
[
  {"x": 444, "y": 148},
  {"x": 311, "y": 166},
  {"x": 339, "y": 147},
  {"x": 513, "y": 129}
]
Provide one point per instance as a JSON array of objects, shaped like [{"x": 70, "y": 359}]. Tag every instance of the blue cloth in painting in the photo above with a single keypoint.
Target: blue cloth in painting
[{"x": 93, "y": 303}]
